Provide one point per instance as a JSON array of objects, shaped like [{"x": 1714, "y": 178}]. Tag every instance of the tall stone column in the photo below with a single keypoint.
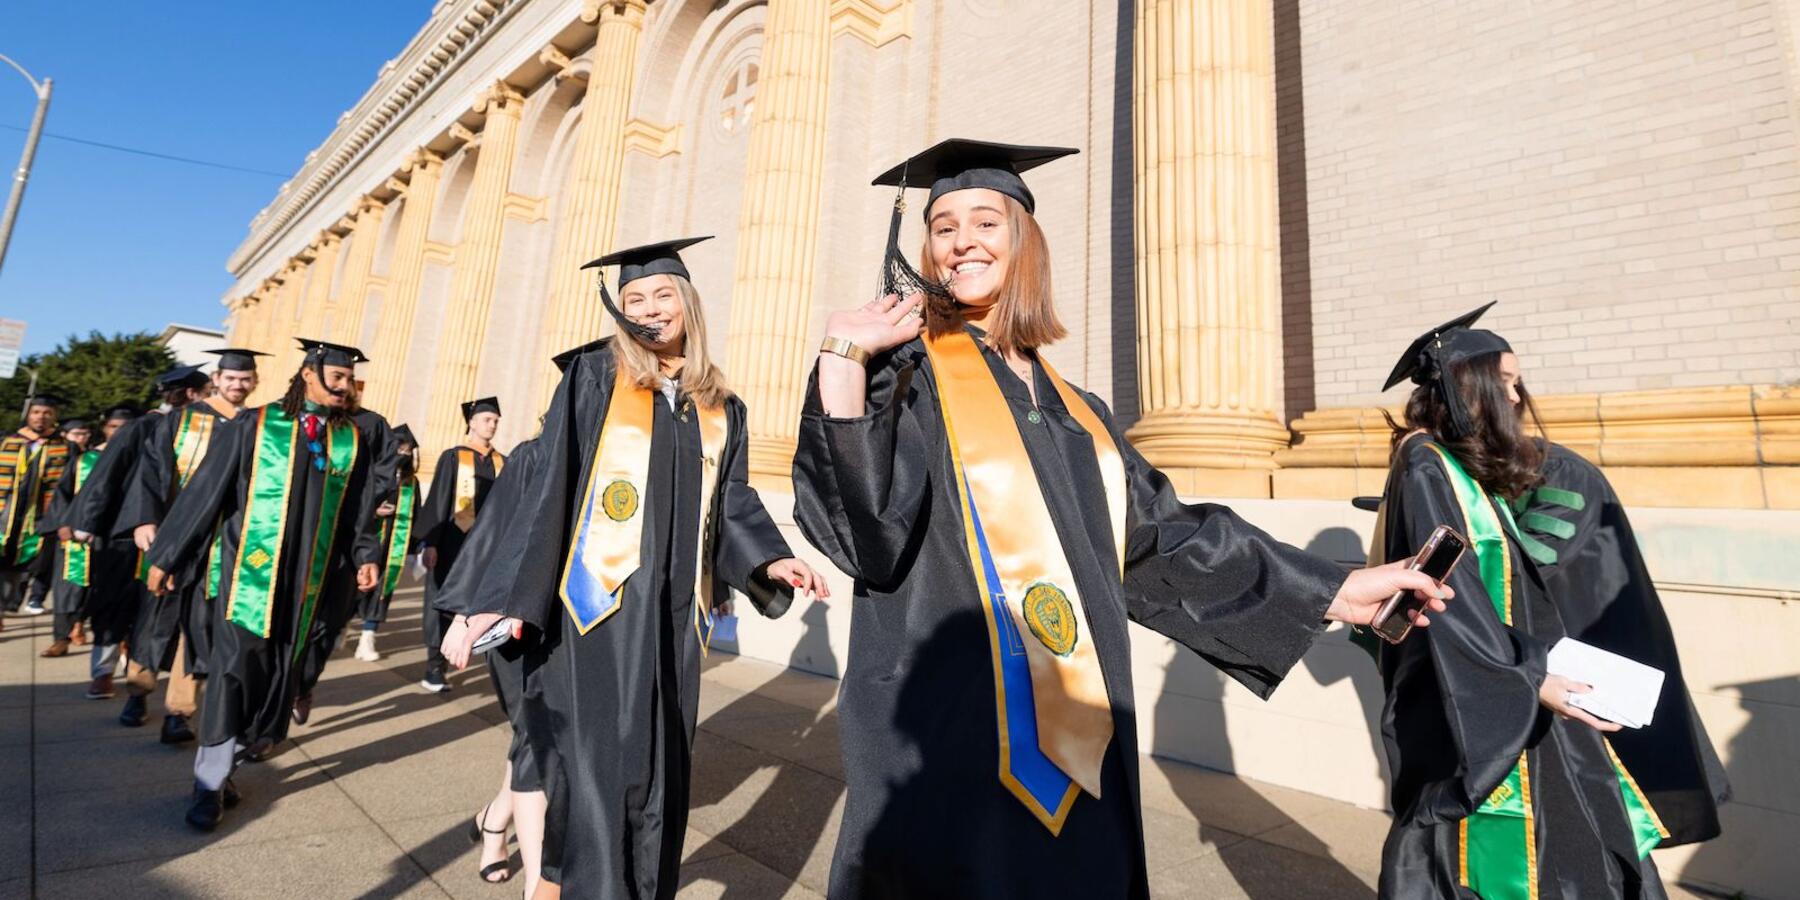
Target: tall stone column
[
  {"x": 277, "y": 334},
  {"x": 590, "y": 209},
  {"x": 317, "y": 300},
  {"x": 346, "y": 322},
  {"x": 778, "y": 232},
  {"x": 1208, "y": 266},
  {"x": 394, "y": 334},
  {"x": 477, "y": 261}
]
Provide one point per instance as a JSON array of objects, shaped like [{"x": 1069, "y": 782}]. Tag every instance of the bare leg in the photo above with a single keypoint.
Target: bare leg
[
  {"x": 496, "y": 816},
  {"x": 529, "y": 808}
]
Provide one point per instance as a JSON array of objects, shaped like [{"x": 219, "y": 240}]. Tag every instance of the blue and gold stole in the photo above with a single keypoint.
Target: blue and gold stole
[
  {"x": 1054, "y": 716},
  {"x": 609, "y": 527}
]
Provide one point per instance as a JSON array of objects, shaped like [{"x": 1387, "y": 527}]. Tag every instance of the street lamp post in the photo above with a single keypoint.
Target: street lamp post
[{"x": 42, "y": 89}]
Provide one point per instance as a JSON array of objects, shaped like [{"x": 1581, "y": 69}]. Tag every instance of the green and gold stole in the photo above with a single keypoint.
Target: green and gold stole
[
  {"x": 462, "y": 501},
  {"x": 193, "y": 437},
  {"x": 77, "y": 559},
  {"x": 1054, "y": 717},
  {"x": 16, "y": 463},
  {"x": 398, "y": 534},
  {"x": 255, "y": 572},
  {"x": 1497, "y": 843}
]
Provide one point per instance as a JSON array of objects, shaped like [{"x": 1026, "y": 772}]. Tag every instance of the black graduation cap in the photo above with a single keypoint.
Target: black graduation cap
[
  {"x": 122, "y": 413},
  {"x": 43, "y": 399},
  {"x": 404, "y": 435},
  {"x": 954, "y": 165},
  {"x": 567, "y": 358},
  {"x": 325, "y": 353},
  {"x": 237, "y": 359},
  {"x": 181, "y": 377},
  {"x": 1428, "y": 358},
  {"x": 73, "y": 424},
  {"x": 661, "y": 258},
  {"x": 485, "y": 404}
]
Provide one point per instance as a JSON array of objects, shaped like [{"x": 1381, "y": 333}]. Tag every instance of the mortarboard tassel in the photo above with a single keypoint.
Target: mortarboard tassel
[
  {"x": 642, "y": 332},
  {"x": 898, "y": 277}
]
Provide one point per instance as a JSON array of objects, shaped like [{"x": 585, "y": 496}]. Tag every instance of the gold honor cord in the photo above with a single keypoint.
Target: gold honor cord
[
  {"x": 713, "y": 429},
  {"x": 192, "y": 436},
  {"x": 1073, "y": 713},
  {"x": 606, "y": 550}
]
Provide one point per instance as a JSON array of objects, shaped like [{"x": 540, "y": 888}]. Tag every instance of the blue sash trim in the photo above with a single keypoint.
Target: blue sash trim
[
  {"x": 1023, "y": 760},
  {"x": 587, "y": 601}
]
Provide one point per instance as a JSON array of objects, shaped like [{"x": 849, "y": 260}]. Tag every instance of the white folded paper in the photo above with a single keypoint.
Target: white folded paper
[{"x": 1625, "y": 690}]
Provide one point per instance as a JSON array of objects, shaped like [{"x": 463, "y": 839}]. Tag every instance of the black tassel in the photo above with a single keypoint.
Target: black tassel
[
  {"x": 898, "y": 277},
  {"x": 1459, "y": 426},
  {"x": 642, "y": 332}
]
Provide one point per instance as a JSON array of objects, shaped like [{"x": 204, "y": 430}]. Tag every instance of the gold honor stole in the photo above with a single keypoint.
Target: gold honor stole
[
  {"x": 1497, "y": 843},
  {"x": 463, "y": 500},
  {"x": 609, "y": 529},
  {"x": 77, "y": 561},
  {"x": 1054, "y": 717},
  {"x": 399, "y": 535},
  {"x": 193, "y": 435},
  {"x": 16, "y": 461},
  {"x": 255, "y": 572}
]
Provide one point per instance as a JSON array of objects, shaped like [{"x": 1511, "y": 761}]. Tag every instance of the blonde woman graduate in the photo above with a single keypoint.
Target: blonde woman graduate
[
  {"x": 642, "y": 518},
  {"x": 1002, "y": 533}
]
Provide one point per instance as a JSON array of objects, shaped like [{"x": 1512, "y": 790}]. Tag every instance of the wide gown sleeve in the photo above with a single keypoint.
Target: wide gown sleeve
[
  {"x": 1487, "y": 672},
  {"x": 191, "y": 518},
  {"x": 98, "y": 507},
  {"x": 458, "y": 594},
  {"x": 147, "y": 494},
  {"x": 437, "y": 510},
  {"x": 62, "y": 498},
  {"x": 860, "y": 483},
  {"x": 747, "y": 540}
]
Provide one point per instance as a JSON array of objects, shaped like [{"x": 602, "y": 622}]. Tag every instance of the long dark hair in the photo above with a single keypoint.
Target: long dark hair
[
  {"x": 1499, "y": 454},
  {"x": 294, "y": 401}
]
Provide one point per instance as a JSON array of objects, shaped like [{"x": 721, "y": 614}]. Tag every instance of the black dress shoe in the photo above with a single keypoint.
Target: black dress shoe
[
  {"x": 302, "y": 709},
  {"x": 229, "y": 795},
  {"x": 132, "y": 716},
  {"x": 176, "y": 730},
  {"x": 207, "y": 809}
]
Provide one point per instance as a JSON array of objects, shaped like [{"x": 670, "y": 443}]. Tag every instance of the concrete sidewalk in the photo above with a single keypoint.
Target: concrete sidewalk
[{"x": 373, "y": 797}]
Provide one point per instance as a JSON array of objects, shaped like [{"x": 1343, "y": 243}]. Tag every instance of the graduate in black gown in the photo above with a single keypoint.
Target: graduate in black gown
[
  {"x": 173, "y": 632},
  {"x": 641, "y": 519},
  {"x": 68, "y": 601},
  {"x": 85, "y": 572},
  {"x": 1575, "y": 529},
  {"x": 31, "y": 460},
  {"x": 459, "y": 490},
  {"x": 285, "y": 479},
  {"x": 1001, "y": 533},
  {"x": 398, "y": 513},
  {"x": 1502, "y": 788},
  {"x": 95, "y": 519}
]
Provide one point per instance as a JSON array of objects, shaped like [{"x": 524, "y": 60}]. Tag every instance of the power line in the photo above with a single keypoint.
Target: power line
[{"x": 151, "y": 153}]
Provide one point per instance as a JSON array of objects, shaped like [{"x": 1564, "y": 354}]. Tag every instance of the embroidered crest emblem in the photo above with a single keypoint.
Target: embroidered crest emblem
[
  {"x": 258, "y": 558},
  {"x": 1051, "y": 617},
  {"x": 1499, "y": 797},
  {"x": 620, "y": 500}
]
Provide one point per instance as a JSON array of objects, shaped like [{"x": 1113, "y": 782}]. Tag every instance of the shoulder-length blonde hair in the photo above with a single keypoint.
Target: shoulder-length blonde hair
[
  {"x": 1024, "y": 317},
  {"x": 700, "y": 378}
]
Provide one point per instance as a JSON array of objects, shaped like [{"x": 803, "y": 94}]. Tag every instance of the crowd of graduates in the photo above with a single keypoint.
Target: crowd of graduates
[{"x": 999, "y": 532}]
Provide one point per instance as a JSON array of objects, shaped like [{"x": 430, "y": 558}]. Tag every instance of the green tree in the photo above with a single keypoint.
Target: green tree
[{"x": 91, "y": 375}]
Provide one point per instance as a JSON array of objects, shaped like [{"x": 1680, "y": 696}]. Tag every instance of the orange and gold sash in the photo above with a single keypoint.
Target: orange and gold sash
[
  {"x": 463, "y": 500},
  {"x": 1054, "y": 716}
]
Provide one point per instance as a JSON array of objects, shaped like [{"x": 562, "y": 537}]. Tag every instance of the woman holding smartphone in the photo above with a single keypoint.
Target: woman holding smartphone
[
  {"x": 1502, "y": 786},
  {"x": 1002, "y": 532}
]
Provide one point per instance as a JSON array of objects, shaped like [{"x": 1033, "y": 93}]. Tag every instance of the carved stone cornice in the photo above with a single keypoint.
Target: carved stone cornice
[
  {"x": 652, "y": 139},
  {"x": 524, "y": 208},
  {"x": 875, "y": 22},
  {"x": 457, "y": 27}
]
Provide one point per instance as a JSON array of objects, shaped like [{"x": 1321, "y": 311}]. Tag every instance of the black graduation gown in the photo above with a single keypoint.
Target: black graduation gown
[
  {"x": 1604, "y": 592},
  {"x": 926, "y": 814},
  {"x": 1462, "y": 704},
  {"x": 252, "y": 680},
  {"x": 113, "y": 594},
  {"x": 435, "y": 527},
  {"x": 27, "y": 490},
  {"x": 372, "y": 606},
  {"x": 114, "y": 600},
  {"x": 188, "y": 610},
  {"x": 506, "y": 663},
  {"x": 619, "y": 703},
  {"x": 338, "y": 599}
]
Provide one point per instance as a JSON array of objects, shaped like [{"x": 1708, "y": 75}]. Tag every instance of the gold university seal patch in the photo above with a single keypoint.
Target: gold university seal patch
[
  {"x": 1051, "y": 617},
  {"x": 620, "y": 500},
  {"x": 258, "y": 558}
]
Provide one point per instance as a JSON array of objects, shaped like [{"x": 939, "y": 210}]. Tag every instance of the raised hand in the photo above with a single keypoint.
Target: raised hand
[{"x": 882, "y": 324}]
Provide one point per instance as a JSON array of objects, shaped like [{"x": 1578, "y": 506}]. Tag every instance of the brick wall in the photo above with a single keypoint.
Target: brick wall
[{"x": 1621, "y": 176}]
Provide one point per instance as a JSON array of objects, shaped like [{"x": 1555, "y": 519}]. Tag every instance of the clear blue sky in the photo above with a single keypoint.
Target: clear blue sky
[{"x": 125, "y": 243}]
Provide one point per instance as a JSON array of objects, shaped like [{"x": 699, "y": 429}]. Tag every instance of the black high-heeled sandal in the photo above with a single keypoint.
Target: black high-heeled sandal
[{"x": 478, "y": 828}]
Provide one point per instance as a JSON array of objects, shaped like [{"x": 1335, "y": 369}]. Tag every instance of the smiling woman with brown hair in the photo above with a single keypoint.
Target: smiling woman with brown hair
[{"x": 1001, "y": 533}]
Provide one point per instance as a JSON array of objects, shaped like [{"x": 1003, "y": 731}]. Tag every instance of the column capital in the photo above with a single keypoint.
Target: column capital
[
  {"x": 422, "y": 160},
  {"x": 632, "y": 11},
  {"x": 395, "y": 184},
  {"x": 499, "y": 97},
  {"x": 461, "y": 133}
]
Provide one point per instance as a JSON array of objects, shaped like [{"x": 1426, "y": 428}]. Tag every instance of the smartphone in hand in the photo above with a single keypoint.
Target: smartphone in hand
[
  {"x": 495, "y": 636},
  {"x": 1442, "y": 551}
]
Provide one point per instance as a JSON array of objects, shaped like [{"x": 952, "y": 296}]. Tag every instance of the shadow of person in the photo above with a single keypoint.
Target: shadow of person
[
  {"x": 1233, "y": 816},
  {"x": 791, "y": 819},
  {"x": 1746, "y": 860},
  {"x": 1338, "y": 658}
]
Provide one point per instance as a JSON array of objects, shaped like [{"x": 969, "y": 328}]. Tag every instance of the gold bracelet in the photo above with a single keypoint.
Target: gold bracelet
[{"x": 838, "y": 346}]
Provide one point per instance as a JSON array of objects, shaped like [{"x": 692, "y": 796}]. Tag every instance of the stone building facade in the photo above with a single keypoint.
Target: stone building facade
[{"x": 1272, "y": 198}]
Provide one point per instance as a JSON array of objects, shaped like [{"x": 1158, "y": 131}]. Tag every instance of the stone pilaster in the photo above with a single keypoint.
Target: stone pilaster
[
  {"x": 1208, "y": 267},
  {"x": 346, "y": 319},
  {"x": 477, "y": 261},
  {"x": 778, "y": 234},
  {"x": 591, "y": 205},
  {"x": 317, "y": 305},
  {"x": 394, "y": 334}
]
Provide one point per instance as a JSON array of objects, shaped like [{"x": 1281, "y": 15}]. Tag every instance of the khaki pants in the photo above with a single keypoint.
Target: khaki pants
[{"x": 183, "y": 698}]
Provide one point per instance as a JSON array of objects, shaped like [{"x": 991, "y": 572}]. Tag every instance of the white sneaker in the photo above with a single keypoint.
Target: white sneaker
[
  {"x": 33, "y": 609},
  {"x": 365, "y": 647}
]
